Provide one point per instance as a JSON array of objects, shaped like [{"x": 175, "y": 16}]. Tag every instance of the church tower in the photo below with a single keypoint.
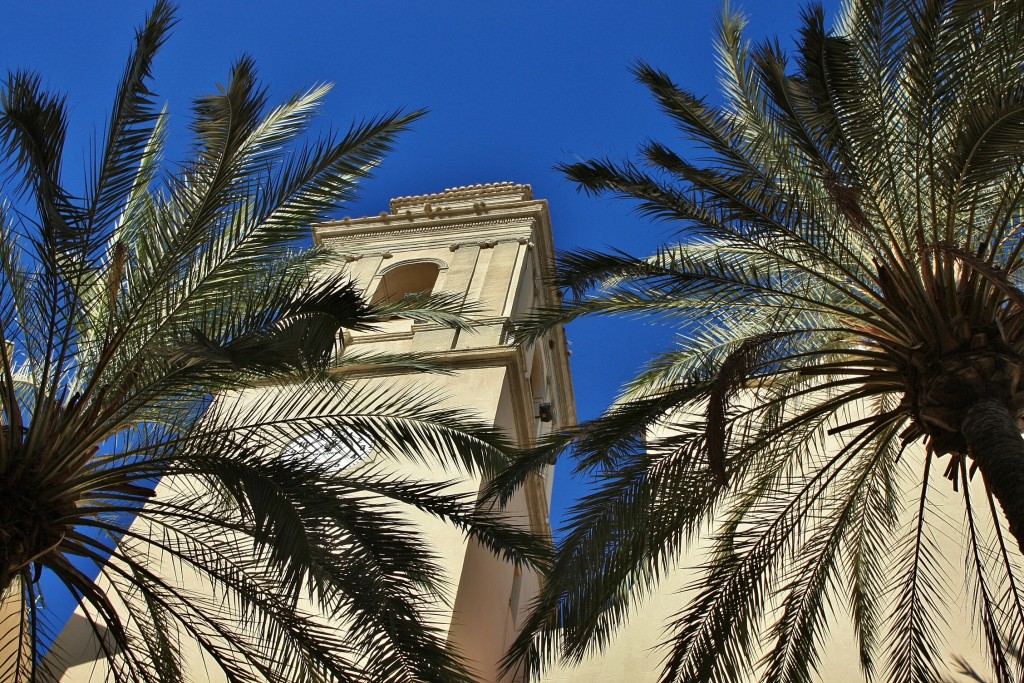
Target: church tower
[
  {"x": 491, "y": 246},
  {"x": 488, "y": 246}
]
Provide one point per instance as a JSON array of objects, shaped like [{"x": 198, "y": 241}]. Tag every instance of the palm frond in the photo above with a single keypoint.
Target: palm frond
[
  {"x": 844, "y": 284},
  {"x": 168, "y": 344}
]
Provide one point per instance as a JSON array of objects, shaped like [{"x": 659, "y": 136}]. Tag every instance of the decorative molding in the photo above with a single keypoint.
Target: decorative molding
[
  {"x": 466, "y": 193},
  {"x": 358, "y": 230},
  {"x": 490, "y": 244},
  {"x": 441, "y": 265},
  {"x": 375, "y": 337}
]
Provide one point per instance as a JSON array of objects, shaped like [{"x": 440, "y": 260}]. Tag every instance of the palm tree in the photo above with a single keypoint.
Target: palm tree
[
  {"x": 128, "y": 313},
  {"x": 848, "y": 266}
]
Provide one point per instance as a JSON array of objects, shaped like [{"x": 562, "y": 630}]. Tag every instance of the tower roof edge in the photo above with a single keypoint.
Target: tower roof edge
[{"x": 466, "y": 196}]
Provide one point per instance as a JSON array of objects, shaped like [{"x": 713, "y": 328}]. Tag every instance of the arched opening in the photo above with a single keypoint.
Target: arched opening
[{"x": 405, "y": 280}]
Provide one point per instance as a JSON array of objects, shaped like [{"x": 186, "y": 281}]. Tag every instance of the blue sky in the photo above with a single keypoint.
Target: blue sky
[{"x": 512, "y": 87}]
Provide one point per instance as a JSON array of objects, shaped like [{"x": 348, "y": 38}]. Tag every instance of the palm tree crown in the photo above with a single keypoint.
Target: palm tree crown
[
  {"x": 848, "y": 267},
  {"x": 127, "y": 314}
]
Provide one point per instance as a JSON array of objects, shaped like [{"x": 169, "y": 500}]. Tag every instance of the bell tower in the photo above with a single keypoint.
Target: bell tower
[{"x": 490, "y": 246}]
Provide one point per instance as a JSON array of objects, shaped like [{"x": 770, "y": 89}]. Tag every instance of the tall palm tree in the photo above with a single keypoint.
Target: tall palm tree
[
  {"x": 130, "y": 316},
  {"x": 848, "y": 266}
]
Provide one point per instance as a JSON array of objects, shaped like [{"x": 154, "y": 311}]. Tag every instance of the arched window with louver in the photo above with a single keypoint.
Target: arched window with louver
[{"x": 404, "y": 280}]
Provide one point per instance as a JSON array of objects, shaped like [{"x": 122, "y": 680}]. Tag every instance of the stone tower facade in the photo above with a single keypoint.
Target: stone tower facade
[{"x": 490, "y": 246}]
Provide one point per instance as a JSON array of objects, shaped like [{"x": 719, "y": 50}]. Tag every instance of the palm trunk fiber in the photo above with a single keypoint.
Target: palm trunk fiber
[{"x": 997, "y": 448}]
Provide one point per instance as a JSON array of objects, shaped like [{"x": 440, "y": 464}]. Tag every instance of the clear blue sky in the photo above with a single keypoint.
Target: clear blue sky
[{"x": 512, "y": 88}]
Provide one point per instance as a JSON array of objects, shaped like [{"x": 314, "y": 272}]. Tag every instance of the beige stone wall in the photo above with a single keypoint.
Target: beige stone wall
[
  {"x": 636, "y": 653},
  {"x": 13, "y": 634}
]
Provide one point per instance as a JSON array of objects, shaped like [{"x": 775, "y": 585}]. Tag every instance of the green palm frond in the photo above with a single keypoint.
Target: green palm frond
[
  {"x": 846, "y": 287},
  {"x": 166, "y": 340}
]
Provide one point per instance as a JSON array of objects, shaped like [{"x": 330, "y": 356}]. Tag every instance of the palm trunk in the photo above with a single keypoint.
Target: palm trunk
[
  {"x": 15, "y": 643},
  {"x": 997, "y": 448}
]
